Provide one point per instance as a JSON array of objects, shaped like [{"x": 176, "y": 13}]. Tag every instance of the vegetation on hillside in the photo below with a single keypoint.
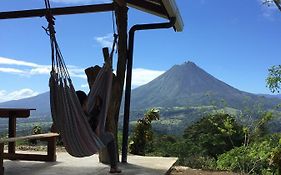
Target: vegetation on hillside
[
  {"x": 274, "y": 78},
  {"x": 142, "y": 134},
  {"x": 219, "y": 141}
]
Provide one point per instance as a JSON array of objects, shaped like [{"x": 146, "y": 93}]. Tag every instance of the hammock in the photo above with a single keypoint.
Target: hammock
[{"x": 68, "y": 116}]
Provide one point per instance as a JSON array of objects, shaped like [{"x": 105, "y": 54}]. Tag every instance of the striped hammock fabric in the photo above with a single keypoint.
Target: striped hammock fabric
[{"x": 68, "y": 116}]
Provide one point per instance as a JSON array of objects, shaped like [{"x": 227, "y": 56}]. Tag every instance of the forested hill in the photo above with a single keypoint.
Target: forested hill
[{"x": 189, "y": 85}]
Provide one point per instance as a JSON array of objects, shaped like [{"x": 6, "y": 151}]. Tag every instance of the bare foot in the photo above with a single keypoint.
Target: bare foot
[{"x": 114, "y": 170}]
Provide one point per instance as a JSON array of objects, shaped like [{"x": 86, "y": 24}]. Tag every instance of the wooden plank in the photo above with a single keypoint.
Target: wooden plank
[
  {"x": 17, "y": 112},
  {"x": 28, "y": 157},
  {"x": 58, "y": 11},
  {"x": 120, "y": 2},
  {"x": 1, "y": 158},
  {"x": 12, "y": 133},
  {"x": 105, "y": 54},
  {"x": 148, "y": 7},
  {"x": 16, "y": 109},
  {"x": 37, "y": 136},
  {"x": 51, "y": 151}
]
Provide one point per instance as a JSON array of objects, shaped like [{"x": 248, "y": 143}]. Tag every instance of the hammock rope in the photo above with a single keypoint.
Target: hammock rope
[{"x": 68, "y": 116}]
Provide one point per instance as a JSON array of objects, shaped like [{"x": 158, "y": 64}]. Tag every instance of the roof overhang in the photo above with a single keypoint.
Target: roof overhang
[{"x": 162, "y": 8}]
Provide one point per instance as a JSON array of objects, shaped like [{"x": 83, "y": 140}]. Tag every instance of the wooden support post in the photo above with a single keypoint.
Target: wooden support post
[
  {"x": 103, "y": 154},
  {"x": 51, "y": 150},
  {"x": 121, "y": 13},
  {"x": 1, "y": 158},
  {"x": 12, "y": 133},
  {"x": 105, "y": 54}
]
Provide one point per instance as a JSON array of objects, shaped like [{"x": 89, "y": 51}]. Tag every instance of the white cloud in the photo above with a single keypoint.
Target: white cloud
[
  {"x": 33, "y": 67},
  {"x": 15, "y": 95},
  {"x": 11, "y": 70},
  {"x": 142, "y": 76},
  {"x": 84, "y": 85},
  {"x": 24, "y": 68},
  {"x": 76, "y": 72},
  {"x": 40, "y": 70},
  {"x": 105, "y": 41},
  {"x": 8, "y": 61}
]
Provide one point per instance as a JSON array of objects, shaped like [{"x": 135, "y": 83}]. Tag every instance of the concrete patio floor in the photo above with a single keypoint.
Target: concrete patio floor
[{"x": 68, "y": 165}]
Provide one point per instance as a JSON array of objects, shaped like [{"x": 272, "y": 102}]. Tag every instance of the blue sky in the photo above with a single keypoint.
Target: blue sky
[{"x": 235, "y": 41}]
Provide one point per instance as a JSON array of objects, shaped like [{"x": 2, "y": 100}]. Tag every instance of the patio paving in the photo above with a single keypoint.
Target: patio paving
[{"x": 68, "y": 165}]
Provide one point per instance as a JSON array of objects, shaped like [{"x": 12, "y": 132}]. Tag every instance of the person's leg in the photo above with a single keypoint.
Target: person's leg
[
  {"x": 112, "y": 153},
  {"x": 111, "y": 149}
]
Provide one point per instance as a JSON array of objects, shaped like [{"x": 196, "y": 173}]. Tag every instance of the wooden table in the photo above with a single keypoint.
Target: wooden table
[{"x": 13, "y": 114}]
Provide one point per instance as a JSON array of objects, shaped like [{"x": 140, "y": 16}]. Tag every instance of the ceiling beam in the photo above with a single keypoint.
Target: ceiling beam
[
  {"x": 148, "y": 7},
  {"x": 58, "y": 11}
]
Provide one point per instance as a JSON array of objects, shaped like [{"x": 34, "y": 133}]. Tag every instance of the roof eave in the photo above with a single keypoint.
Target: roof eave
[
  {"x": 173, "y": 11},
  {"x": 168, "y": 11}
]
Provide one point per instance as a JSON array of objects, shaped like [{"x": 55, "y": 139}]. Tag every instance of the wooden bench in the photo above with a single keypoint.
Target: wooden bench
[{"x": 51, "y": 149}]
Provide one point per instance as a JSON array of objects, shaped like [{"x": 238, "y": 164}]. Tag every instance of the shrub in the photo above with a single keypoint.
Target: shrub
[
  {"x": 213, "y": 135},
  {"x": 260, "y": 157},
  {"x": 142, "y": 135},
  {"x": 166, "y": 146},
  {"x": 198, "y": 162},
  {"x": 37, "y": 129}
]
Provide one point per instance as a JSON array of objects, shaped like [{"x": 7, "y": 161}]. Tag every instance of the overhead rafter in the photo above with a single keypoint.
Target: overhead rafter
[
  {"x": 58, "y": 11},
  {"x": 163, "y": 8},
  {"x": 147, "y": 6}
]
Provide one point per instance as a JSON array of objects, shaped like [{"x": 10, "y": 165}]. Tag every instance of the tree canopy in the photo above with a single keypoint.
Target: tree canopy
[
  {"x": 215, "y": 134},
  {"x": 273, "y": 80}
]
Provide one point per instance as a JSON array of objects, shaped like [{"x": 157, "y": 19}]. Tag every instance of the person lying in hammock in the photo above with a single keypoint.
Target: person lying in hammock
[{"x": 111, "y": 148}]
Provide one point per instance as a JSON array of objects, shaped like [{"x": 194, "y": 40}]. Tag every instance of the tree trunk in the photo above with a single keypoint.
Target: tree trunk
[{"x": 121, "y": 13}]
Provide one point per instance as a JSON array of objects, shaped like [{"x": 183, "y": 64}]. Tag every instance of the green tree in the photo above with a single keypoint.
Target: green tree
[
  {"x": 37, "y": 129},
  {"x": 259, "y": 157},
  {"x": 214, "y": 134},
  {"x": 142, "y": 134},
  {"x": 273, "y": 80},
  {"x": 260, "y": 126},
  {"x": 166, "y": 146},
  {"x": 275, "y": 157}
]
